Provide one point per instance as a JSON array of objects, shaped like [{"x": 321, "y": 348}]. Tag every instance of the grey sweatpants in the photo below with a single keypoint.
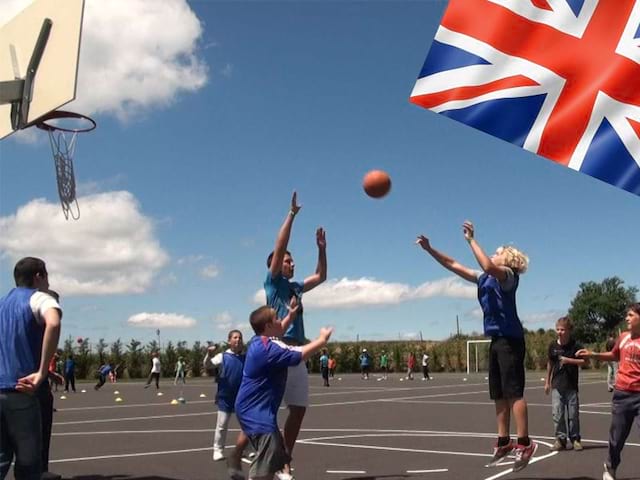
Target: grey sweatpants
[{"x": 625, "y": 408}]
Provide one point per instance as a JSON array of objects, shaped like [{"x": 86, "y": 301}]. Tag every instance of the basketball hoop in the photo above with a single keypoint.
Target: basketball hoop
[{"x": 63, "y": 129}]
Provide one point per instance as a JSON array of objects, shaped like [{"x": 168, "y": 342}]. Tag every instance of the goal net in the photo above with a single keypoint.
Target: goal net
[{"x": 477, "y": 356}]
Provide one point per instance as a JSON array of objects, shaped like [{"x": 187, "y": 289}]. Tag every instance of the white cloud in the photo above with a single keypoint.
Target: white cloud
[
  {"x": 135, "y": 54},
  {"x": 110, "y": 250},
  {"x": 210, "y": 271},
  {"x": 190, "y": 259},
  {"x": 225, "y": 321},
  {"x": 346, "y": 293},
  {"x": 161, "y": 320}
]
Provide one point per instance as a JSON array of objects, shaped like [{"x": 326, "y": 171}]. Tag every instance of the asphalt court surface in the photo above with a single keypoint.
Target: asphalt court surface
[{"x": 366, "y": 429}]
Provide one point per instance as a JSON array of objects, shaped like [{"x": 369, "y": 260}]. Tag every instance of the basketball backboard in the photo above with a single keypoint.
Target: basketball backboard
[{"x": 55, "y": 78}]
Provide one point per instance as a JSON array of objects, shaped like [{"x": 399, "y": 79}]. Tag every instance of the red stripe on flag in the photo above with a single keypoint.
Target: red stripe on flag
[
  {"x": 463, "y": 93},
  {"x": 635, "y": 125},
  {"x": 544, "y": 4}
]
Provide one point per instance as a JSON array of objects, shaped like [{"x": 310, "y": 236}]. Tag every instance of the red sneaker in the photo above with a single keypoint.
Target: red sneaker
[
  {"x": 499, "y": 453},
  {"x": 523, "y": 455}
]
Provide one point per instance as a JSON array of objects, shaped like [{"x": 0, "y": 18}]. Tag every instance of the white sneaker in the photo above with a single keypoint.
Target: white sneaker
[
  {"x": 609, "y": 473},
  {"x": 287, "y": 476},
  {"x": 218, "y": 455}
]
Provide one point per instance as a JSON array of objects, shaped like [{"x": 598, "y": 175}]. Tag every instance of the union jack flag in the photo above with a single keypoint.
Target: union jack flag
[{"x": 560, "y": 78}]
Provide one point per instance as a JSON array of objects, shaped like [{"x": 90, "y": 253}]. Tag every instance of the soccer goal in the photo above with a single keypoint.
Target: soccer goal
[{"x": 477, "y": 355}]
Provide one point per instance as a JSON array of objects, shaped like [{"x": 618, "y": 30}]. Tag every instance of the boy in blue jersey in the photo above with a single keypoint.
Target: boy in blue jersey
[
  {"x": 227, "y": 367},
  {"x": 103, "y": 373},
  {"x": 365, "y": 361},
  {"x": 263, "y": 387},
  {"x": 29, "y": 333},
  {"x": 279, "y": 291},
  {"x": 497, "y": 285}
]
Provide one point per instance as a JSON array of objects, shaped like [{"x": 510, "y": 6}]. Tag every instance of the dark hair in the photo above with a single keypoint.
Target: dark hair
[
  {"x": 566, "y": 322},
  {"x": 270, "y": 257},
  {"x": 26, "y": 269},
  {"x": 232, "y": 332},
  {"x": 260, "y": 318},
  {"x": 635, "y": 307}
]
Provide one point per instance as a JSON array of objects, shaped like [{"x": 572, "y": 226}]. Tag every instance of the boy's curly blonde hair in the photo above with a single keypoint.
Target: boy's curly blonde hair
[{"x": 515, "y": 259}]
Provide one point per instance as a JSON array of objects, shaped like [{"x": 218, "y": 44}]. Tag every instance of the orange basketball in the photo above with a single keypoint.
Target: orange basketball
[{"x": 376, "y": 183}]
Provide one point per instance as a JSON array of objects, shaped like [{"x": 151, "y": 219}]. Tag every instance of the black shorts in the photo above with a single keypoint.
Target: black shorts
[
  {"x": 506, "y": 368},
  {"x": 270, "y": 454}
]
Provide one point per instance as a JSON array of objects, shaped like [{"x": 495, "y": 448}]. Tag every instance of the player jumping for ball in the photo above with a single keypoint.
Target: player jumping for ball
[
  {"x": 279, "y": 289},
  {"x": 497, "y": 285}
]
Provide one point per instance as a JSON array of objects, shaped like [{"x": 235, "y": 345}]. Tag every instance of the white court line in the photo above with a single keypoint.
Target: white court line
[
  {"x": 346, "y": 471},
  {"x": 510, "y": 470},
  {"x": 435, "y": 470},
  {"x": 131, "y": 405},
  {"x": 127, "y": 455},
  {"x": 127, "y": 432},
  {"x": 127, "y": 419}
]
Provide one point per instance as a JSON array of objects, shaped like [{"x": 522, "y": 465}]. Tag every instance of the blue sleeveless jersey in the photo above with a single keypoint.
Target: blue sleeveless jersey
[
  {"x": 20, "y": 337},
  {"x": 499, "y": 308},
  {"x": 229, "y": 381},
  {"x": 279, "y": 291}
]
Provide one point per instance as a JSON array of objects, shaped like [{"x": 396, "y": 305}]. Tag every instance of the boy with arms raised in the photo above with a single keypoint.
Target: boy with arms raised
[
  {"x": 497, "y": 285},
  {"x": 279, "y": 291},
  {"x": 263, "y": 387}
]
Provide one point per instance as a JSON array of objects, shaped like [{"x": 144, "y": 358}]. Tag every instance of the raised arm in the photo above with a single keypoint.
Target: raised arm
[
  {"x": 315, "y": 345},
  {"x": 320, "y": 275},
  {"x": 293, "y": 308},
  {"x": 446, "y": 261},
  {"x": 483, "y": 260},
  {"x": 282, "y": 239}
]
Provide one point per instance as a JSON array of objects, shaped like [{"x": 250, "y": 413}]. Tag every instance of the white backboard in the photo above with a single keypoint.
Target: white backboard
[{"x": 56, "y": 78}]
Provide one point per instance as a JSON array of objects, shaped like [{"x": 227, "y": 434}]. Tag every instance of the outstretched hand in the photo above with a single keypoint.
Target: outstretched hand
[
  {"x": 423, "y": 242},
  {"x": 468, "y": 230},
  {"x": 293, "y": 306},
  {"x": 295, "y": 208},
  {"x": 583, "y": 352},
  {"x": 321, "y": 239},
  {"x": 325, "y": 333}
]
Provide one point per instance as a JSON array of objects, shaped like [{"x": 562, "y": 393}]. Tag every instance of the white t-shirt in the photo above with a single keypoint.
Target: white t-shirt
[
  {"x": 40, "y": 302},
  {"x": 425, "y": 360},
  {"x": 155, "y": 367}
]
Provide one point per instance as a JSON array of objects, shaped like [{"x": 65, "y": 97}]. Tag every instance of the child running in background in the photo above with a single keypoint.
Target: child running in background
[
  {"x": 262, "y": 389},
  {"x": 411, "y": 364},
  {"x": 562, "y": 380},
  {"x": 180, "y": 371},
  {"x": 384, "y": 364},
  {"x": 365, "y": 364},
  {"x": 625, "y": 407},
  {"x": 497, "y": 286},
  {"x": 332, "y": 366},
  {"x": 103, "y": 373},
  {"x": 324, "y": 366},
  {"x": 425, "y": 366}
]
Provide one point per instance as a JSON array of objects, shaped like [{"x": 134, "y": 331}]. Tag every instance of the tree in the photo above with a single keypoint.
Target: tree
[
  {"x": 101, "y": 346},
  {"x": 598, "y": 308},
  {"x": 134, "y": 359}
]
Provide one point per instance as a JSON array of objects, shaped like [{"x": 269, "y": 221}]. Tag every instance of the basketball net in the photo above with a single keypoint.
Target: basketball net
[{"x": 63, "y": 146}]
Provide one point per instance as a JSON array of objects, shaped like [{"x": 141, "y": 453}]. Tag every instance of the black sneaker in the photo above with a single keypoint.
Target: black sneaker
[
  {"x": 499, "y": 453},
  {"x": 523, "y": 455}
]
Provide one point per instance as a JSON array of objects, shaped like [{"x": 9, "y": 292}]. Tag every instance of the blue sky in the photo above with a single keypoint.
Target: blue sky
[{"x": 212, "y": 113}]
